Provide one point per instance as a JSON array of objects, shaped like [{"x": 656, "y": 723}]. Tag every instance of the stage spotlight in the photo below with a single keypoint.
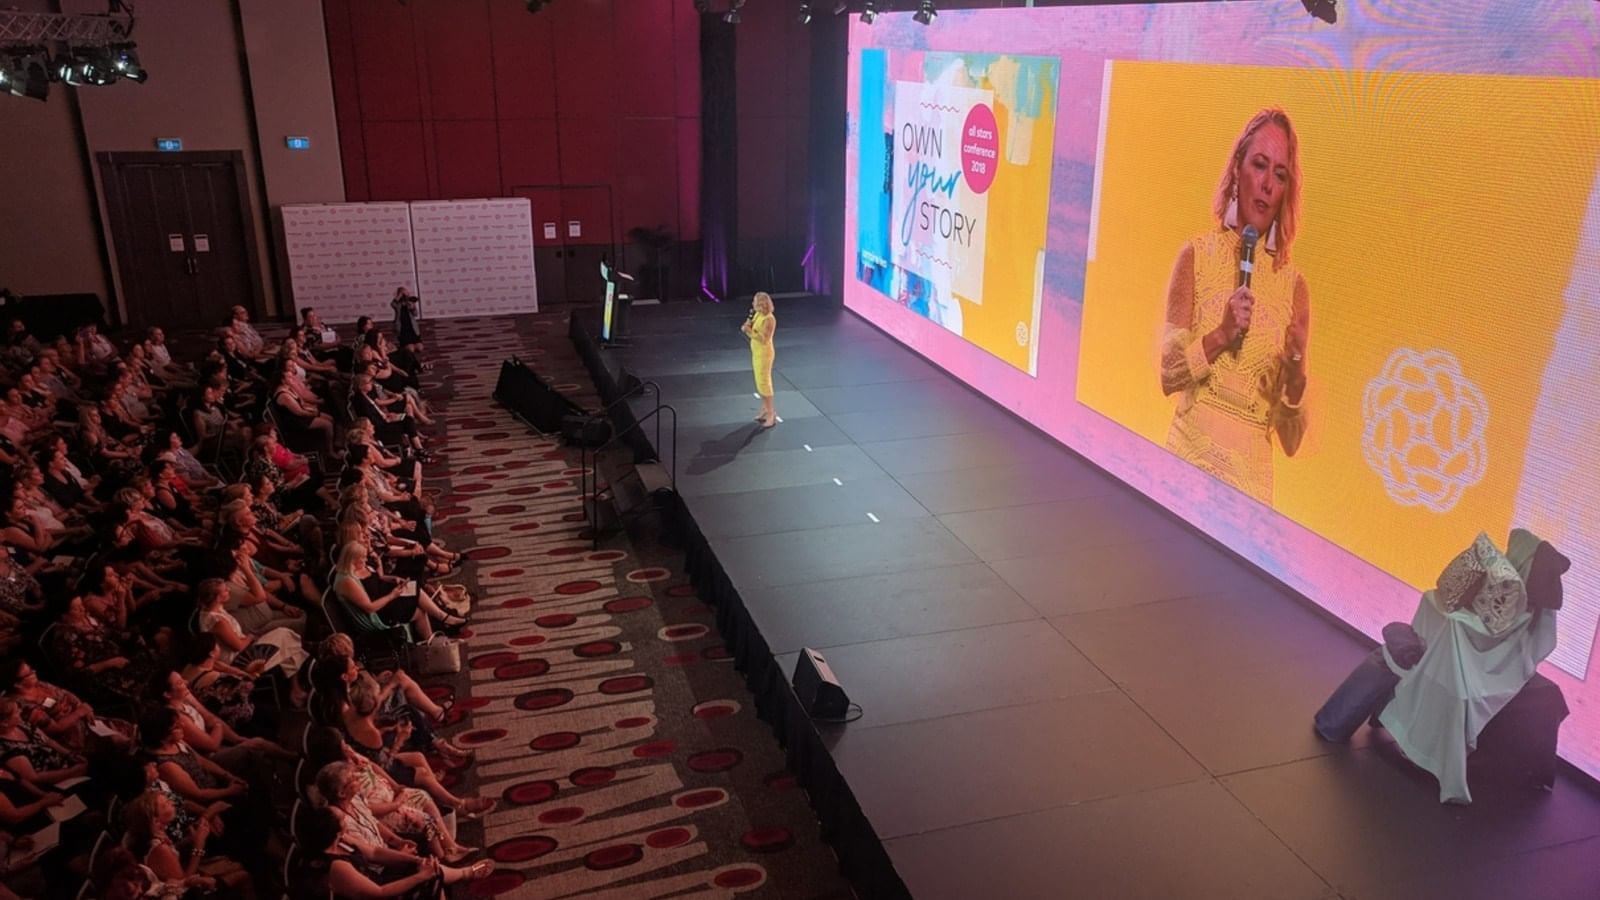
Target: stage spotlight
[
  {"x": 98, "y": 65},
  {"x": 840, "y": 7},
  {"x": 1326, "y": 10},
  {"x": 536, "y": 5},
  {"x": 732, "y": 15},
  {"x": 702, "y": 6},
  {"x": 927, "y": 13},
  {"x": 126, "y": 62},
  {"x": 869, "y": 12},
  {"x": 805, "y": 12},
  {"x": 67, "y": 69},
  {"x": 26, "y": 75}
]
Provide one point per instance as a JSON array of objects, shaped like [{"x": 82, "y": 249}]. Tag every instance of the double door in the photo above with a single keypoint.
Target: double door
[
  {"x": 184, "y": 243},
  {"x": 572, "y": 233}
]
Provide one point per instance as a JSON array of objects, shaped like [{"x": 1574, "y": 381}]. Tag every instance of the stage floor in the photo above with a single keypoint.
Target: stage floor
[{"x": 1067, "y": 692}]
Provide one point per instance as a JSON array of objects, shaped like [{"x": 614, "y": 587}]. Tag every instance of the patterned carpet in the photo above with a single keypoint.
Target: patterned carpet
[{"x": 603, "y": 707}]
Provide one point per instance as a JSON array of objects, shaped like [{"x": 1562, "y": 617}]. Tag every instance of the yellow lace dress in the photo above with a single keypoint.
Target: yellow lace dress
[
  {"x": 762, "y": 353},
  {"x": 1230, "y": 407}
]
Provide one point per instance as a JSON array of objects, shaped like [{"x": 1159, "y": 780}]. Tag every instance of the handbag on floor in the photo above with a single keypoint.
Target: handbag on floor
[{"x": 437, "y": 655}]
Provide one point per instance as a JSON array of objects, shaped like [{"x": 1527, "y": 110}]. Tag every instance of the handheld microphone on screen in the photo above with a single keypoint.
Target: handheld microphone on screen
[{"x": 1247, "y": 265}]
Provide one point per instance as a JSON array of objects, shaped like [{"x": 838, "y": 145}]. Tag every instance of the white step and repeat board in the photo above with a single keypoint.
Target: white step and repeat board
[
  {"x": 346, "y": 259},
  {"x": 462, "y": 257},
  {"x": 474, "y": 257}
]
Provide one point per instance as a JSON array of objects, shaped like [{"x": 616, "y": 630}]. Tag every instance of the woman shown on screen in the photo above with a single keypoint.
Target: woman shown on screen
[{"x": 1236, "y": 355}]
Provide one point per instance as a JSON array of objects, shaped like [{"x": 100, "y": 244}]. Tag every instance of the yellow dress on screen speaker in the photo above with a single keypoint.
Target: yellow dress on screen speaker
[{"x": 1229, "y": 409}]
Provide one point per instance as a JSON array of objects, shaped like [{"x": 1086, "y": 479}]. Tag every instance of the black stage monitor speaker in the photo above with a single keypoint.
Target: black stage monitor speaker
[
  {"x": 521, "y": 390},
  {"x": 819, "y": 692}
]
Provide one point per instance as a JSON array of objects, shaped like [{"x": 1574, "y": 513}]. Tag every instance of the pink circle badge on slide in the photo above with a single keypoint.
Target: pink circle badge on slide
[{"x": 980, "y": 148}]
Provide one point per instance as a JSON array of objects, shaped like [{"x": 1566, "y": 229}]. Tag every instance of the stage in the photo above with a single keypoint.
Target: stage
[{"x": 1067, "y": 692}]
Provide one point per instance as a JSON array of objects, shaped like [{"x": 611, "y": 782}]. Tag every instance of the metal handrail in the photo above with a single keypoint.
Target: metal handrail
[
  {"x": 583, "y": 452},
  {"x": 672, "y": 472}
]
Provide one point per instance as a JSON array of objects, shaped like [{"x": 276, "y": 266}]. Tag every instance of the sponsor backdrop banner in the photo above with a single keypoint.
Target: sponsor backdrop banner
[
  {"x": 474, "y": 257},
  {"x": 346, "y": 259}
]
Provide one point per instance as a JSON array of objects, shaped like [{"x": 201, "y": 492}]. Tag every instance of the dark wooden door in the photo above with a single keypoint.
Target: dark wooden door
[{"x": 184, "y": 242}]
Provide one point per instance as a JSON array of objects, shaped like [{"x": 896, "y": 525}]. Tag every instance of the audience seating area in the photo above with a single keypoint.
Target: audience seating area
[{"x": 219, "y": 565}]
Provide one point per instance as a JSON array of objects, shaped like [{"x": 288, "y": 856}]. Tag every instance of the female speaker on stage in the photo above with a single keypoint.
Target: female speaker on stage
[
  {"x": 1237, "y": 331},
  {"x": 759, "y": 329}
]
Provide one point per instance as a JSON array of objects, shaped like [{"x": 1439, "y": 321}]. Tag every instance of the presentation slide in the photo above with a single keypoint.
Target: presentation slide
[
  {"x": 1330, "y": 293},
  {"x": 954, "y": 196}
]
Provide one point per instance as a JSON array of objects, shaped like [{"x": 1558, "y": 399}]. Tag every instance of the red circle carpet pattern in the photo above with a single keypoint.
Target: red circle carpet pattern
[{"x": 624, "y": 761}]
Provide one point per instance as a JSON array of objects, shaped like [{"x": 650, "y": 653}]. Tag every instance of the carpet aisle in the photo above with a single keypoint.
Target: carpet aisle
[{"x": 603, "y": 707}]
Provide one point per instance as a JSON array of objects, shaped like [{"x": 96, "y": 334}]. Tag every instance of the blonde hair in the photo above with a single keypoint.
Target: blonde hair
[
  {"x": 364, "y": 694},
  {"x": 349, "y": 555},
  {"x": 339, "y": 644},
  {"x": 763, "y": 301},
  {"x": 330, "y": 779},
  {"x": 1288, "y": 221}
]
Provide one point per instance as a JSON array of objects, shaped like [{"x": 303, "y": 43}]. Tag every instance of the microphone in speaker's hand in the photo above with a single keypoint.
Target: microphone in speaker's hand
[
  {"x": 1247, "y": 263},
  {"x": 1247, "y": 253}
]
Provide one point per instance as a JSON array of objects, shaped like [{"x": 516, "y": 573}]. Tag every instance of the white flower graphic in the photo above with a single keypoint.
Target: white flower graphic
[{"x": 1425, "y": 425}]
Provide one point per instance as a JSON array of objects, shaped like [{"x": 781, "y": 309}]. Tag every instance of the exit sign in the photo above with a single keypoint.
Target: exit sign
[
  {"x": 169, "y": 145},
  {"x": 298, "y": 143}
]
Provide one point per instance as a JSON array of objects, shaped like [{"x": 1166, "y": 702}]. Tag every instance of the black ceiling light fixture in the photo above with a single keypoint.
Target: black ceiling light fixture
[
  {"x": 926, "y": 13},
  {"x": 840, "y": 7},
  {"x": 805, "y": 12},
  {"x": 23, "y": 74},
  {"x": 1326, "y": 10},
  {"x": 536, "y": 5},
  {"x": 869, "y": 11},
  {"x": 732, "y": 15}
]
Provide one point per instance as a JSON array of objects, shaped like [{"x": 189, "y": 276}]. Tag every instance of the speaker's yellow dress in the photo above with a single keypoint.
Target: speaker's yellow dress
[
  {"x": 1230, "y": 409},
  {"x": 762, "y": 353}
]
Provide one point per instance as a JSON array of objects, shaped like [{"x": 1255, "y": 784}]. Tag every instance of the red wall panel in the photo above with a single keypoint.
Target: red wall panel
[
  {"x": 455, "y": 38},
  {"x": 396, "y": 166},
  {"x": 588, "y": 149},
  {"x": 597, "y": 102},
  {"x": 528, "y": 153},
  {"x": 686, "y": 59},
  {"x": 586, "y": 57},
  {"x": 647, "y": 176},
  {"x": 385, "y": 60},
  {"x": 341, "y": 59},
  {"x": 524, "y": 62},
  {"x": 353, "y": 159},
  {"x": 644, "y": 61},
  {"x": 467, "y": 158}
]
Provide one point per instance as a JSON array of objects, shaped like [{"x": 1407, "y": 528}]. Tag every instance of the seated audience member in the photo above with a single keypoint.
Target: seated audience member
[
  {"x": 147, "y": 818},
  {"x": 404, "y": 810},
  {"x": 33, "y": 756},
  {"x": 360, "y": 871},
  {"x": 58, "y": 713}
]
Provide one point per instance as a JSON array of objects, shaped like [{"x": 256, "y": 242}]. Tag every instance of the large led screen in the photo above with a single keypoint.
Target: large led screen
[{"x": 1414, "y": 360}]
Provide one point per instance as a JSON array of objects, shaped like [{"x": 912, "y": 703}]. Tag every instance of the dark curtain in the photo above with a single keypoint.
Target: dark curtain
[
  {"x": 824, "y": 261},
  {"x": 719, "y": 173}
]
